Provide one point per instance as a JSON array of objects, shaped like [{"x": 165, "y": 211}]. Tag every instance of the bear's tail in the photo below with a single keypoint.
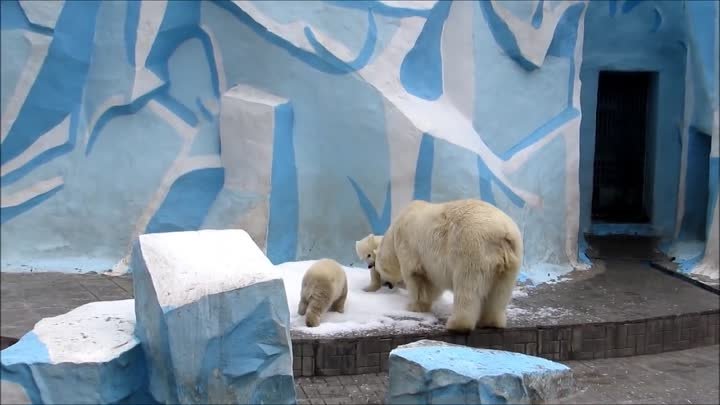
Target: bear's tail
[{"x": 512, "y": 253}]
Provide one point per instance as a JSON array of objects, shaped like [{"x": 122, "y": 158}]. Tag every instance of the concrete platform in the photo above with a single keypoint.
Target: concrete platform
[{"x": 619, "y": 308}]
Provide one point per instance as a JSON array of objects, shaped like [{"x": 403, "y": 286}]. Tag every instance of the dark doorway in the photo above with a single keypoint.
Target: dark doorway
[{"x": 621, "y": 179}]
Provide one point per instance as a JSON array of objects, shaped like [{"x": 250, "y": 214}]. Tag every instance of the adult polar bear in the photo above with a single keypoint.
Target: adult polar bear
[{"x": 467, "y": 246}]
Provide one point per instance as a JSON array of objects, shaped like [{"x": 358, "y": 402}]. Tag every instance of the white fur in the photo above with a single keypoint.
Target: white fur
[
  {"x": 324, "y": 287},
  {"x": 366, "y": 249},
  {"x": 467, "y": 246}
]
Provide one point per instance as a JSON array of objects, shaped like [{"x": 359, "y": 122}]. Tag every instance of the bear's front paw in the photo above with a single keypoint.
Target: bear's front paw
[
  {"x": 459, "y": 326},
  {"x": 371, "y": 288},
  {"x": 312, "y": 321}
]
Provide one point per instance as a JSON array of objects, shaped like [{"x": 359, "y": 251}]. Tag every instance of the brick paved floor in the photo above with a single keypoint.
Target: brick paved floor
[
  {"x": 687, "y": 377},
  {"x": 683, "y": 377}
]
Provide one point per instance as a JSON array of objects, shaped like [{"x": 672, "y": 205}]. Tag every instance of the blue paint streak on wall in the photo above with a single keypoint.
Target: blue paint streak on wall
[
  {"x": 487, "y": 178},
  {"x": 282, "y": 238},
  {"x": 424, "y": 169},
  {"x": 658, "y": 21},
  {"x": 45, "y": 156},
  {"x": 363, "y": 56},
  {"x": 120, "y": 110},
  {"x": 203, "y": 110},
  {"x": 188, "y": 201},
  {"x": 50, "y": 99},
  {"x": 378, "y": 223},
  {"x": 309, "y": 58},
  {"x": 178, "y": 108},
  {"x": 537, "y": 18},
  {"x": 702, "y": 23},
  {"x": 612, "y": 4},
  {"x": 565, "y": 40},
  {"x": 421, "y": 70},
  {"x": 629, "y": 5},
  {"x": 713, "y": 190},
  {"x": 504, "y": 37},
  {"x": 582, "y": 250},
  {"x": 132, "y": 19},
  {"x": 12, "y": 16},
  {"x": 381, "y": 8},
  {"x": 555, "y": 122},
  {"x": 9, "y": 213},
  {"x": 696, "y": 186},
  {"x": 181, "y": 23}
]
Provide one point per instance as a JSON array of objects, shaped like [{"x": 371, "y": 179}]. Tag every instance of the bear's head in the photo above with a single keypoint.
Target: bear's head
[{"x": 366, "y": 249}]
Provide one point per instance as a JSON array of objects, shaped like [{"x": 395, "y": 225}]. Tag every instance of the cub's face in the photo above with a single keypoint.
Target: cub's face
[{"x": 366, "y": 249}]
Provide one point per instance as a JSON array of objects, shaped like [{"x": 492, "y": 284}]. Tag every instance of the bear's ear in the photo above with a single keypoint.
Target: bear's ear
[{"x": 357, "y": 248}]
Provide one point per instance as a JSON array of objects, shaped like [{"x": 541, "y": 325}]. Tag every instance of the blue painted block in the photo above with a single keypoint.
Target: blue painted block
[
  {"x": 88, "y": 356},
  {"x": 430, "y": 372},
  {"x": 213, "y": 319}
]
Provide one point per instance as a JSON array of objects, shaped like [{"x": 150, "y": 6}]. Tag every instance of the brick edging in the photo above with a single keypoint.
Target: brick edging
[{"x": 348, "y": 356}]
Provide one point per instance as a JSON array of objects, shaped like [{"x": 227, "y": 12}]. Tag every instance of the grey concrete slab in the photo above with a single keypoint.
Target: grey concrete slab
[{"x": 28, "y": 297}]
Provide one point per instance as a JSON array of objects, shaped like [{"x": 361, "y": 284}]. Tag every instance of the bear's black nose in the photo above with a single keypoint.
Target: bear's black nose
[{"x": 370, "y": 266}]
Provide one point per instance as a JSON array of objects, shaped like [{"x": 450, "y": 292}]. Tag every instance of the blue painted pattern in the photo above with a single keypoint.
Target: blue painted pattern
[{"x": 369, "y": 119}]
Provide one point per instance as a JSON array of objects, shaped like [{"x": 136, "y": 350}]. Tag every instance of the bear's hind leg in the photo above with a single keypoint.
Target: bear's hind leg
[
  {"x": 470, "y": 287},
  {"x": 302, "y": 307},
  {"x": 420, "y": 291},
  {"x": 494, "y": 308},
  {"x": 316, "y": 307},
  {"x": 427, "y": 293},
  {"x": 339, "y": 304}
]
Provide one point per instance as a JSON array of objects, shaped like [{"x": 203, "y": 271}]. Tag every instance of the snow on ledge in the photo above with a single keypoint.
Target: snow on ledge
[
  {"x": 372, "y": 311},
  {"x": 186, "y": 266},
  {"x": 92, "y": 333}
]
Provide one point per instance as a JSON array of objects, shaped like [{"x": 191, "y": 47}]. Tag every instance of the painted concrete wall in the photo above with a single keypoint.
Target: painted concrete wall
[
  {"x": 310, "y": 124},
  {"x": 678, "y": 41}
]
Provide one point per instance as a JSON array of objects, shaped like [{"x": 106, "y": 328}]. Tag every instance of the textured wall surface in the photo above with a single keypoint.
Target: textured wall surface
[
  {"x": 310, "y": 124},
  {"x": 679, "y": 42}
]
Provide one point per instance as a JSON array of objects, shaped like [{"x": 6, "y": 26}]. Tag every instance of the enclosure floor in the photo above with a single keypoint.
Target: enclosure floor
[
  {"x": 613, "y": 290},
  {"x": 680, "y": 377}
]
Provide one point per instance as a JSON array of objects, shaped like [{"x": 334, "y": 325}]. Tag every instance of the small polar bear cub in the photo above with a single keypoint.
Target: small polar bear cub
[
  {"x": 324, "y": 287},
  {"x": 366, "y": 249},
  {"x": 467, "y": 246}
]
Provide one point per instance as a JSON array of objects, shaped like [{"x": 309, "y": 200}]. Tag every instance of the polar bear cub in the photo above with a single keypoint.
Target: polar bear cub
[
  {"x": 324, "y": 286},
  {"x": 366, "y": 249},
  {"x": 467, "y": 246}
]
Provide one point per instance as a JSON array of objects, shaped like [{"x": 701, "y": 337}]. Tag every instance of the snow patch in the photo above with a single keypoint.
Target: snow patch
[
  {"x": 367, "y": 311},
  {"x": 92, "y": 333},
  {"x": 544, "y": 273},
  {"x": 186, "y": 266}
]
